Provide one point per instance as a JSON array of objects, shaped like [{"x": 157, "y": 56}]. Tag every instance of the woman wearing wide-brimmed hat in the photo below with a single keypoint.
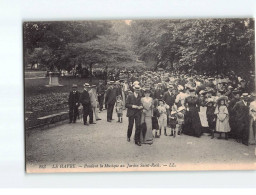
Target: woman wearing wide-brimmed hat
[{"x": 222, "y": 121}]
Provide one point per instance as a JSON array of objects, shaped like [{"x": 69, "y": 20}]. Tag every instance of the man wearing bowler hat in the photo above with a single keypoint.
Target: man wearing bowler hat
[
  {"x": 134, "y": 109},
  {"x": 85, "y": 101},
  {"x": 73, "y": 102}
]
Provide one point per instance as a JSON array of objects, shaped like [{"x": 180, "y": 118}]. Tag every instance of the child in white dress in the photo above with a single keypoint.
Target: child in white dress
[
  {"x": 162, "y": 109},
  {"x": 222, "y": 121},
  {"x": 119, "y": 108}
]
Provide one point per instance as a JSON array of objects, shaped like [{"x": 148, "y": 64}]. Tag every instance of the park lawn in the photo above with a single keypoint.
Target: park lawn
[{"x": 33, "y": 74}]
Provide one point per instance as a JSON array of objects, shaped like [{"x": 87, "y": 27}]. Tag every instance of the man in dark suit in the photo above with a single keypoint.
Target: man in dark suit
[
  {"x": 241, "y": 110},
  {"x": 73, "y": 102},
  {"x": 110, "y": 100},
  {"x": 134, "y": 108},
  {"x": 85, "y": 101}
]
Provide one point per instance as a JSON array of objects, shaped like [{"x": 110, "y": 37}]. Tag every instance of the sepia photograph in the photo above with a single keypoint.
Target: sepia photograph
[{"x": 139, "y": 95}]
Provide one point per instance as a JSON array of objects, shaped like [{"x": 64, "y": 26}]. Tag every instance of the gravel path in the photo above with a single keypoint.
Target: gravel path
[{"x": 86, "y": 147}]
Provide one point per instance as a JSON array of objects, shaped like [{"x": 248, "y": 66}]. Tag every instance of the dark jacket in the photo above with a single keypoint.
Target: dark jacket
[
  {"x": 101, "y": 90},
  {"x": 132, "y": 100},
  {"x": 241, "y": 112},
  {"x": 84, "y": 98},
  {"x": 118, "y": 91},
  {"x": 242, "y": 121},
  {"x": 169, "y": 99},
  {"x": 231, "y": 105},
  {"x": 158, "y": 93},
  {"x": 73, "y": 99},
  {"x": 110, "y": 96}
]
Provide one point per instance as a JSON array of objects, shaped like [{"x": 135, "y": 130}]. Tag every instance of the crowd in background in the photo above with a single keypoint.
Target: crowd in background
[{"x": 191, "y": 104}]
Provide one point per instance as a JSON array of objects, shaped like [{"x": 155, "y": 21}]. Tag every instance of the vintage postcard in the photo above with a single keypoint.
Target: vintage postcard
[{"x": 139, "y": 95}]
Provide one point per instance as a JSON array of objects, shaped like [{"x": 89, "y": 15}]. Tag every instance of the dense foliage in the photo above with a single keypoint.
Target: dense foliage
[
  {"x": 202, "y": 45},
  {"x": 64, "y": 45}
]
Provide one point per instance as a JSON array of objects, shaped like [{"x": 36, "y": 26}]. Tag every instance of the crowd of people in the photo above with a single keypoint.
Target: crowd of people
[{"x": 190, "y": 104}]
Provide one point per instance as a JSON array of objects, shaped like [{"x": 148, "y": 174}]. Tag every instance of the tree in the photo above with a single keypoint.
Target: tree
[
  {"x": 52, "y": 39},
  {"x": 204, "y": 45},
  {"x": 105, "y": 50}
]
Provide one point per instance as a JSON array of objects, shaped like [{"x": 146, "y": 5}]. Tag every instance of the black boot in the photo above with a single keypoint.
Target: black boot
[
  {"x": 121, "y": 120},
  {"x": 171, "y": 133},
  {"x": 174, "y": 134},
  {"x": 219, "y": 136},
  {"x": 165, "y": 132},
  {"x": 118, "y": 120}
]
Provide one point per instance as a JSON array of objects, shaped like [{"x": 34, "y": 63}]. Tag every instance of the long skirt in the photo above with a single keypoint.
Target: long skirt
[
  {"x": 233, "y": 127},
  {"x": 223, "y": 126},
  {"x": 146, "y": 136},
  {"x": 252, "y": 132},
  {"x": 192, "y": 123},
  {"x": 155, "y": 124}
]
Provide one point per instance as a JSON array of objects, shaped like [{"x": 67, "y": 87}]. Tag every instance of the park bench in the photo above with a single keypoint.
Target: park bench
[{"x": 51, "y": 119}]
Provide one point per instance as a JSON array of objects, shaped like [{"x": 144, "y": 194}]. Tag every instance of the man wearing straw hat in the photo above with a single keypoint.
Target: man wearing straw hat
[
  {"x": 134, "y": 109},
  {"x": 85, "y": 101}
]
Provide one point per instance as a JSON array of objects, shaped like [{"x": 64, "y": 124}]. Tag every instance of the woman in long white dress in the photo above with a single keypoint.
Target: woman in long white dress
[{"x": 146, "y": 118}]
